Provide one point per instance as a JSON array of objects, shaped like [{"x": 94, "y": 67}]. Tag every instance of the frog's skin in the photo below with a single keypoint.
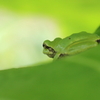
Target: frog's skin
[{"x": 70, "y": 45}]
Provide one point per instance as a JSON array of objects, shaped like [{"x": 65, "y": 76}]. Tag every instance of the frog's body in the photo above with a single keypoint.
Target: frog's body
[{"x": 70, "y": 45}]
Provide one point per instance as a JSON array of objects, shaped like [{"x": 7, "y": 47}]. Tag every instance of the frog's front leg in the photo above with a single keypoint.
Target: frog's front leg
[{"x": 56, "y": 56}]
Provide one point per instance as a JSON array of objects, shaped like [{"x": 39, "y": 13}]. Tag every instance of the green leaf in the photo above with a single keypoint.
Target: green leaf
[
  {"x": 72, "y": 78},
  {"x": 97, "y": 31}
]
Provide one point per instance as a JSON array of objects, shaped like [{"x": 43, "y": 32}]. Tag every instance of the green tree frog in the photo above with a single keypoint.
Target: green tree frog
[{"x": 73, "y": 44}]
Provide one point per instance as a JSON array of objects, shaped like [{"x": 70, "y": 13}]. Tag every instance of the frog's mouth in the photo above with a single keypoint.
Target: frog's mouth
[{"x": 49, "y": 51}]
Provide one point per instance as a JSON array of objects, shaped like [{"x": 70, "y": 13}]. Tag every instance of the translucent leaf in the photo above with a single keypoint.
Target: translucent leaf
[
  {"x": 72, "y": 78},
  {"x": 97, "y": 31}
]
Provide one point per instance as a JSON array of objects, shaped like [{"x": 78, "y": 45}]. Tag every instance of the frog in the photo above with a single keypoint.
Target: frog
[{"x": 71, "y": 45}]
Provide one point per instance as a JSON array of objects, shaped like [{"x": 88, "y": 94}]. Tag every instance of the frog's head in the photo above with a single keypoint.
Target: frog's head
[{"x": 48, "y": 49}]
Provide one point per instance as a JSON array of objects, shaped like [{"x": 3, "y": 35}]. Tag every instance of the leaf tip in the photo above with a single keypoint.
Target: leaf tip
[{"x": 97, "y": 31}]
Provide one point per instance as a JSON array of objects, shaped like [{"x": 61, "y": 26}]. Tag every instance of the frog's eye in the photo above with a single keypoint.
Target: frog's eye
[
  {"x": 45, "y": 46},
  {"x": 98, "y": 41},
  {"x": 49, "y": 48}
]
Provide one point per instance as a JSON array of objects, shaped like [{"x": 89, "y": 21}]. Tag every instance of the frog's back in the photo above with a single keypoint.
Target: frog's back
[{"x": 76, "y": 37}]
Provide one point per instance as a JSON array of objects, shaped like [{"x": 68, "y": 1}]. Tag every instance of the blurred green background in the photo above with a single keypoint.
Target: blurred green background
[{"x": 25, "y": 24}]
